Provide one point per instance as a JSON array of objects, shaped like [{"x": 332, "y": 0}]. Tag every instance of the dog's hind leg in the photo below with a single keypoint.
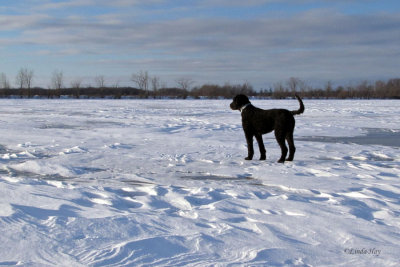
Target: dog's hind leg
[
  {"x": 280, "y": 138},
  {"x": 292, "y": 148},
  {"x": 261, "y": 147}
]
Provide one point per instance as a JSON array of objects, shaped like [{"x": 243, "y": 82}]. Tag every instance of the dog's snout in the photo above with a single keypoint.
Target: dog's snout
[{"x": 233, "y": 105}]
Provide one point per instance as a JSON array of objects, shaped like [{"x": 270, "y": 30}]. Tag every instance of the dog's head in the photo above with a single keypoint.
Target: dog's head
[{"x": 239, "y": 101}]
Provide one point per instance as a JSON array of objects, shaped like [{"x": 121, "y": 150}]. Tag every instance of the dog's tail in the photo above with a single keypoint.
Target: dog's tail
[{"x": 301, "y": 109}]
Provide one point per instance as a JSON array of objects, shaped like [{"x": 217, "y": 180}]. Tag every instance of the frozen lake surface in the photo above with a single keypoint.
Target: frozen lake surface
[
  {"x": 372, "y": 136},
  {"x": 165, "y": 183}
]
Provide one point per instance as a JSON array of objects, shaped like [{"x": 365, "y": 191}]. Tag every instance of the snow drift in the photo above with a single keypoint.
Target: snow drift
[{"x": 164, "y": 182}]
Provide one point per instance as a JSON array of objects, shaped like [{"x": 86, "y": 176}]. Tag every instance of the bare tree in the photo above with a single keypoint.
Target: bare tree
[
  {"x": 29, "y": 78},
  {"x": 155, "y": 83},
  {"x": 20, "y": 79},
  {"x": 24, "y": 78},
  {"x": 4, "y": 83},
  {"x": 57, "y": 80},
  {"x": 100, "y": 81},
  {"x": 293, "y": 84},
  {"x": 328, "y": 89},
  {"x": 116, "y": 84},
  {"x": 185, "y": 83},
  {"x": 76, "y": 84},
  {"x": 279, "y": 91},
  {"x": 142, "y": 80},
  {"x": 247, "y": 88}
]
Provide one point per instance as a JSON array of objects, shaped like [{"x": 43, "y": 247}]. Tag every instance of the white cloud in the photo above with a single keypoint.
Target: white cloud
[
  {"x": 20, "y": 22},
  {"x": 49, "y": 5},
  {"x": 65, "y": 4}
]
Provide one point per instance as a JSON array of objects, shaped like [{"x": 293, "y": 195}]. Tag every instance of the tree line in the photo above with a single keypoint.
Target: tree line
[
  {"x": 389, "y": 89},
  {"x": 146, "y": 86}
]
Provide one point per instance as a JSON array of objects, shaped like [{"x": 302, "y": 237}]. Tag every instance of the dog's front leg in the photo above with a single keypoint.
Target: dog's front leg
[
  {"x": 261, "y": 147},
  {"x": 250, "y": 148}
]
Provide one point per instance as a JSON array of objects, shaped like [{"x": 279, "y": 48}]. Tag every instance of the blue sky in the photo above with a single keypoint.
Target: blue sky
[{"x": 264, "y": 42}]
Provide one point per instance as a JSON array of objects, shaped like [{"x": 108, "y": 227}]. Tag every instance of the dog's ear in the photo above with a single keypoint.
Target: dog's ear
[{"x": 242, "y": 100}]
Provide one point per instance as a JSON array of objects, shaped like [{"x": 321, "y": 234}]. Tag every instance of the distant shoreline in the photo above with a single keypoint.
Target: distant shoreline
[
  {"x": 134, "y": 97},
  {"x": 377, "y": 90}
]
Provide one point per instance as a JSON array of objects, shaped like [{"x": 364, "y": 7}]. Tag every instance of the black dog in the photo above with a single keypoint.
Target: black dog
[{"x": 256, "y": 122}]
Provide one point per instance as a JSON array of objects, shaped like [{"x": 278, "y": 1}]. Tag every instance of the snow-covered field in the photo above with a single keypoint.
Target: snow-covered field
[{"x": 165, "y": 183}]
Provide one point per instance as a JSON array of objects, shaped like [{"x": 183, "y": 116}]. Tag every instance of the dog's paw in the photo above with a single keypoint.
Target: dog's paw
[
  {"x": 263, "y": 157},
  {"x": 248, "y": 158},
  {"x": 281, "y": 161}
]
